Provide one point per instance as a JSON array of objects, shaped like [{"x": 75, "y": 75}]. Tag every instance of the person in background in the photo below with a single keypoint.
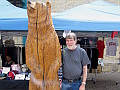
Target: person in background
[
  {"x": 74, "y": 62},
  {"x": 8, "y": 62}
]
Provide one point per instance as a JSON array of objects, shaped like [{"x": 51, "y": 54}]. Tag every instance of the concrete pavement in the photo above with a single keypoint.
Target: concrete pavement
[{"x": 103, "y": 81}]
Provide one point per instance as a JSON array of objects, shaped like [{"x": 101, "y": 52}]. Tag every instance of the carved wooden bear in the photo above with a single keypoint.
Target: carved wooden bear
[{"x": 43, "y": 52}]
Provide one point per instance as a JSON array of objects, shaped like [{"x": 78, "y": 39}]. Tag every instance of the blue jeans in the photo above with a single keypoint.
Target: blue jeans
[{"x": 71, "y": 85}]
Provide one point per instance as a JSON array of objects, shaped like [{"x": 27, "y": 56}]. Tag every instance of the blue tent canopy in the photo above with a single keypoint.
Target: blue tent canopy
[
  {"x": 11, "y": 17},
  {"x": 95, "y": 16}
]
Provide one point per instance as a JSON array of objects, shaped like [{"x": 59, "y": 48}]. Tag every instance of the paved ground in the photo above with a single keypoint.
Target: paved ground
[{"x": 104, "y": 81}]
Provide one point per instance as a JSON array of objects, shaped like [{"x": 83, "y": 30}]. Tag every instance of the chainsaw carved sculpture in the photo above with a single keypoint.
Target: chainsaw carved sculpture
[{"x": 43, "y": 52}]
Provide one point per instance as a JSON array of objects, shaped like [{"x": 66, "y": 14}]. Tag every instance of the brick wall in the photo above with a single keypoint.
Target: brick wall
[
  {"x": 114, "y": 1},
  {"x": 61, "y": 5}
]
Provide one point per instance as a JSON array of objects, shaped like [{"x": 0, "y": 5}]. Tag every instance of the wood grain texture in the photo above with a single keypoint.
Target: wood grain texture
[{"x": 43, "y": 52}]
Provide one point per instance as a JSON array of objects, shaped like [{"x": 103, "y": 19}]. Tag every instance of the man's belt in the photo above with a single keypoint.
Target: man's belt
[{"x": 72, "y": 80}]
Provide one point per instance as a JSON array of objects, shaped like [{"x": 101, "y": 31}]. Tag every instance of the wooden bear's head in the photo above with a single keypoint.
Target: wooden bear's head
[{"x": 39, "y": 12}]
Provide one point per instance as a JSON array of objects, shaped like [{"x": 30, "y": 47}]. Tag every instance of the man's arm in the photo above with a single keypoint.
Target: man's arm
[
  {"x": 84, "y": 73},
  {"x": 82, "y": 87}
]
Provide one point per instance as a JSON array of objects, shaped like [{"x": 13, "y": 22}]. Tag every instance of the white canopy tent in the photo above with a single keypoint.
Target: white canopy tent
[{"x": 95, "y": 16}]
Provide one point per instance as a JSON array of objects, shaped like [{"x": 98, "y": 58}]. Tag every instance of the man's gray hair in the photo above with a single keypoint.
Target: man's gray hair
[{"x": 71, "y": 35}]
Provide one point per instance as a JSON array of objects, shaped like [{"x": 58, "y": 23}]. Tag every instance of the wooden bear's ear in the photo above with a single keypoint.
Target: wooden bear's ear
[
  {"x": 28, "y": 2},
  {"x": 48, "y": 4},
  {"x": 31, "y": 4}
]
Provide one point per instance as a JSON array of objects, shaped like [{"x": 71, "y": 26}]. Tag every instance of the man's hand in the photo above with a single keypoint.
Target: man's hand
[{"x": 82, "y": 87}]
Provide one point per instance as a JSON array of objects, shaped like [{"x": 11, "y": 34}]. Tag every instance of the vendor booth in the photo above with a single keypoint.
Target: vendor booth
[{"x": 94, "y": 21}]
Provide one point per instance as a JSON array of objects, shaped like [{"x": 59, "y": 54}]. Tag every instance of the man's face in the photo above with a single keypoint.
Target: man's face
[{"x": 70, "y": 43}]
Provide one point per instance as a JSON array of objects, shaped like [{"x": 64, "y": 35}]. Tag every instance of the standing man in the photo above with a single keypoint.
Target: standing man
[{"x": 75, "y": 61}]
